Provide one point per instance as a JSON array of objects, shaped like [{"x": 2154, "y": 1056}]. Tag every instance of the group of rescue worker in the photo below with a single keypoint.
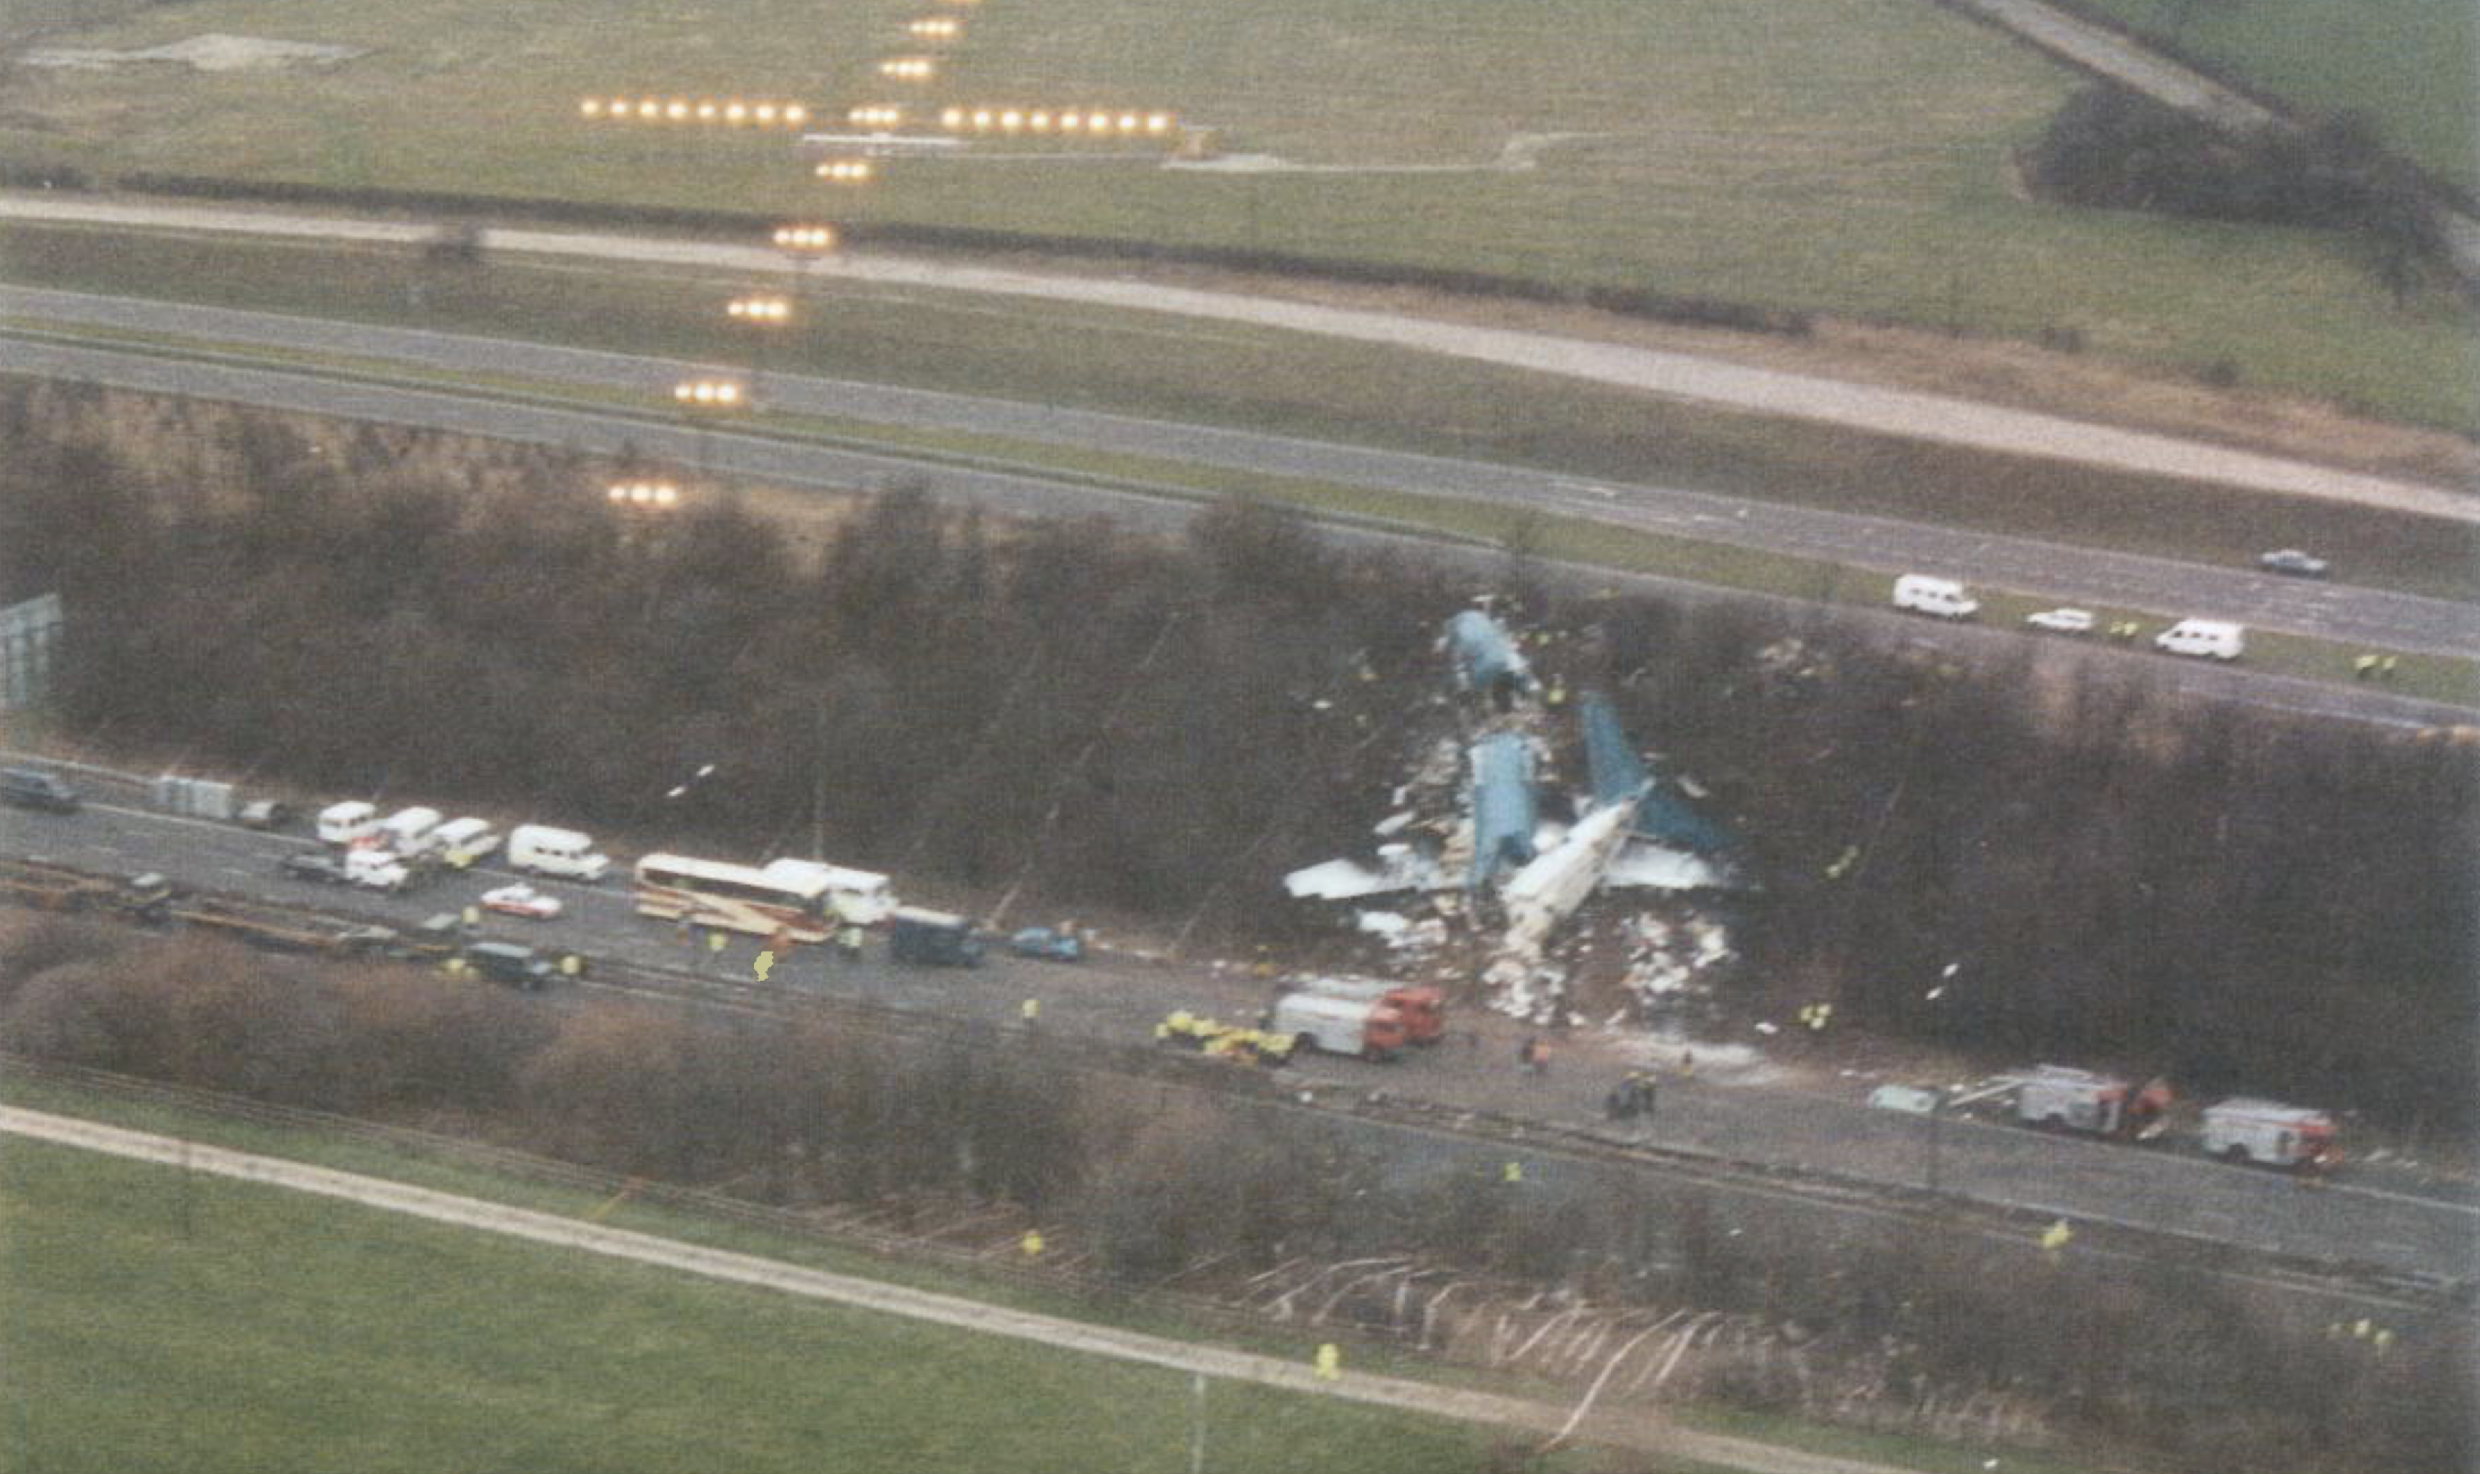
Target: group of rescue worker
[{"x": 1217, "y": 1040}]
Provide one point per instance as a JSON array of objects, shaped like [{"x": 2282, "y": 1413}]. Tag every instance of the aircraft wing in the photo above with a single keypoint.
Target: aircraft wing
[{"x": 1399, "y": 868}]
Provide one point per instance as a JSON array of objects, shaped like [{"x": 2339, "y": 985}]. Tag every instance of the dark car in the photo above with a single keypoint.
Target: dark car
[
  {"x": 1052, "y": 944},
  {"x": 935, "y": 938},
  {"x": 2293, "y": 561},
  {"x": 313, "y": 865},
  {"x": 506, "y": 962},
  {"x": 266, "y": 813},
  {"x": 32, "y": 788}
]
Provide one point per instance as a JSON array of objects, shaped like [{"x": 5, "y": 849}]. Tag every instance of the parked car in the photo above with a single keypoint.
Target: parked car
[
  {"x": 935, "y": 937},
  {"x": 1057, "y": 944},
  {"x": 317, "y": 865},
  {"x": 2062, "y": 621},
  {"x": 266, "y": 813},
  {"x": 2296, "y": 562},
  {"x": 32, "y": 788},
  {"x": 521, "y": 900},
  {"x": 506, "y": 962}
]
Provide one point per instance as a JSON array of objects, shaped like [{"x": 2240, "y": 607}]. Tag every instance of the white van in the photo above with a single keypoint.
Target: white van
[
  {"x": 542, "y": 850},
  {"x": 1942, "y": 597},
  {"x": 412, "y": 831},
  {"x": 463, "y": 841},
  {"x": 347, "y": 823},
  {"x": 2214, "y": 639}
]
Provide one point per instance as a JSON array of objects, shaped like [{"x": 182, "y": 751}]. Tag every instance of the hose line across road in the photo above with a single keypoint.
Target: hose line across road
[{"x": 1635, "y": 1430}]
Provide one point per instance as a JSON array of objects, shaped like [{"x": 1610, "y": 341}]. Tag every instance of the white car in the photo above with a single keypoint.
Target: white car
[
  {"x": 522, "y": 900},
  {"x": 2062, "y": 621}
]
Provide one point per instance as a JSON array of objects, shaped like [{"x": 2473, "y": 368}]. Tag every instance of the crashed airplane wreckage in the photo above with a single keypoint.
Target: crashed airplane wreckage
[{"x": 1628, "y": 830}]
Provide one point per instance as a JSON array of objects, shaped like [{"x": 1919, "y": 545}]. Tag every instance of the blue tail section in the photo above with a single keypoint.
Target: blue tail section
[{"x": 1616, "y": 774}]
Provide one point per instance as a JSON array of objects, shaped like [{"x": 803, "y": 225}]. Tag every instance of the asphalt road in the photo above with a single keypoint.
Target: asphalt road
[
  {"x": 2391, "y": 1223},
  {"x": 1910, "y": 413},
  {"x": 2335, "y": 611}
]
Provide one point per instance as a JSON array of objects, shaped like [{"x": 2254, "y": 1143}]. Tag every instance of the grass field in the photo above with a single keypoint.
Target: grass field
[
  {"x": 2411, "y": 65},
  {"x": 52, "y": 1201},
  {"x": 1843, "y": 155},
  {"x": 159, "y": 1321}
]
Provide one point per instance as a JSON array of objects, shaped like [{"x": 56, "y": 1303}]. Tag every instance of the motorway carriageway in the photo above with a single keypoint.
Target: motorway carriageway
[
  {"x": 2397, "y": 1227},
  {"x": 2318, "y": 609}
]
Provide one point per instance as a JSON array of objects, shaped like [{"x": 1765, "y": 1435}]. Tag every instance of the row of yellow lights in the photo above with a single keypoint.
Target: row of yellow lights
[
  {"x": 908, "y": 68},
  {"x": 846, "y": 171},
  {"x": 1094, "y": 124},
  {"x": 645, "y": 493},
  {"x": 760, "y": 309},
  {"x": 1042, "y": 120},
  {"x": 936, "y": 28},
  {"x": 734, "y": 113},
  {"x": 805, "y": 237},
  {"x": 715, "y": 393},
  {"x": 876, "y": 115}
]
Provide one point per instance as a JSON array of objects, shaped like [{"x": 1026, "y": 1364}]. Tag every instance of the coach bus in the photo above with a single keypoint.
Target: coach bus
[{"x": 797, "y": 898}]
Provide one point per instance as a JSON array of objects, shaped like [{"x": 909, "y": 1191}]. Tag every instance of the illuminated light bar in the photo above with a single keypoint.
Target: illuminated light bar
[
  {"x": 845, "y": 171},
  {"x": 708, "y": 393},
  {"x": 878, "y": 115},
  {"x": 701, "y": 110},
  {"x": 1088, "y": 123},
  {"x": 907, "y": 68},
  {"x": 936, "y": 28},
  {"x": 805, "y": 237}
]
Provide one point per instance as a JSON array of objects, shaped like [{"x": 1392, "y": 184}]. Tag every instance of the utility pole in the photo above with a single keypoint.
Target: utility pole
[
  {"x": 1197, "y": 1425},
  {"x": 818, "y": 781},
  {"x": 1937, "y": 1114}
]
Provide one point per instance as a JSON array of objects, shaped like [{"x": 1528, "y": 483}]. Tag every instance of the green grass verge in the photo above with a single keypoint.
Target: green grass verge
[
  {"x": 1848, "y": 156},
  {"x": 2407, "y": 64},
  {"x": 163, "y": 1320},
  {"x": 460, "y": 1349}
]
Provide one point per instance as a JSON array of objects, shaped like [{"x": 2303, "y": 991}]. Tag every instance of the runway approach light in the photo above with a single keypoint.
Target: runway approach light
[
  {"x": 1079, "y": 122},
  {"x": 805, "y": 237},
  {"x": 707, "y": 393}
]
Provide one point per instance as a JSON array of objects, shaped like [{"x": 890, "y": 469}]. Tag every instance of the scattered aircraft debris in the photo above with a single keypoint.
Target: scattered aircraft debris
[{"x": 1468, "y": 833}]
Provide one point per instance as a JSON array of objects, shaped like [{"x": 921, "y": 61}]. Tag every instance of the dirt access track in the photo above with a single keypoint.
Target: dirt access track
[{"x": 1881, "y": 381}]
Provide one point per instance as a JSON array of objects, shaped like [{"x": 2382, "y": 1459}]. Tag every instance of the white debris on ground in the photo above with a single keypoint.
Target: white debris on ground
[
  {"x": 1668, "y": 962},
  {"x": 1533, "y": 993},
  {"x": 213, "y": 52}
]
